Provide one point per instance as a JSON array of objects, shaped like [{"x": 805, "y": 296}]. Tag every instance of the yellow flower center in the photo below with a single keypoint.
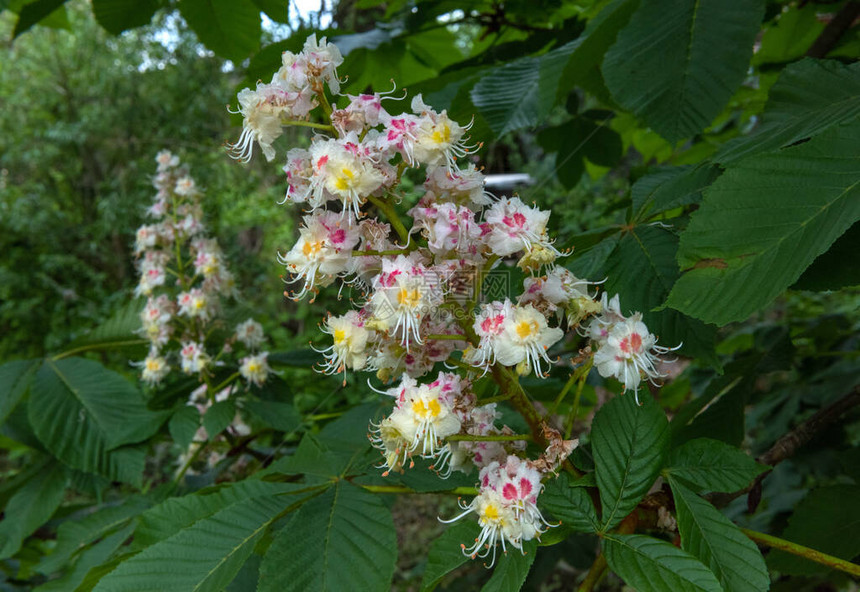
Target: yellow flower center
[
  {"x": 345, "y": 179},
  {"x": 312, "y": 248},
  {"x": 491, "y": 512},
  {"x": 339, "y": 336},
  {"x": 153, "y": 365},
  {"x": 527, "y": 329},
  {"x": 442, "y": 134},
  {"x": 409, "y": 298},
  {"x": 423, "y": 410}
]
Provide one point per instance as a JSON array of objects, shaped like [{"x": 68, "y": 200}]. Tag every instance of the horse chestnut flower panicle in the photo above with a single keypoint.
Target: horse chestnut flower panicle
[{"x": 421, "y": 285}]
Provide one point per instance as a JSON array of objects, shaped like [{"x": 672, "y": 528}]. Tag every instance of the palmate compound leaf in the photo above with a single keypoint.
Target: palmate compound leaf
[
  {"x": 15, "y": 379},
  {"x": 172, "y": 515},
  {"x": 230, "y": 28},
  {"x": 511, "y": 569},
  {"x": 83, "y": 413},
  {"x": 763, "y": 222},
  {"x": 204, "y": 556},
  {"x": 629, "y": 445},
  {"x": 31, "y": 506},
  {"x": 810, "y": 97},
  {"x": 712, "y": 465},
  {"x": 718, "y": 543},
  {"x": 570, "y": 504},
  {"x": 118, "y": 331},
  {"x": 652, "y": 565},
  {"x": 446, "y": 554},
  {"x": 343, "y": 539},
  {"x": 676, "y": 65},
  {"x": 521, "y": 93}
]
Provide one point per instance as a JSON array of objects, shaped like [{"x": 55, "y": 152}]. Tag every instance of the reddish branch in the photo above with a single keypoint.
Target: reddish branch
[{"x": 834, "y": 30}]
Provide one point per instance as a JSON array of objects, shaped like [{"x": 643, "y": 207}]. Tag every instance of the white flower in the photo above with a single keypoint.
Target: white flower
[
  {"x": 250, "y": 333},
  {"x": 255, "y": 369},
  {"x": 349, "y": 348},
  {"x": 155, "y": 368},
  {"x": 506, "y": 508},
  {"x": 438, "y": 140},
  {"x": 322, "y": 252},
  {"x": 194, "y": 357},
  {"x": 322, "y": 61},
  {"x": 489, "y": 326},
  {"x": 511, "y": 226},
  {"x": 166, "y": 160},
  {"x": 261, "y": 124},
  {"x": 423, "y": 416},
  {"x": 343, "y": 169},
  {"x": 465, "y": 186},
  {"x": 525, "y": 339},
  {"x": 404, "y": 293},
  {"x": 195, "y": 304},
  {"x": 447, "y": 227},
  {"x": 627, "y": 353}
]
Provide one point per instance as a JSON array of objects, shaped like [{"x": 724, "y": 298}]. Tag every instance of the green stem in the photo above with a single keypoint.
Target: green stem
[
  {"x": 805, "y": 552},
  {"x": 322, "y": 126},
  {"x": 388, "y": 253},
  {"x": 479, "y": 282},
  {"x": 595, "y": 574},
  {"x": 568, "y": 430},
  {"x": 83, "y": 348},
  {"x": 490, "y": 438},
  {"x": 402, "y": 489},
  {"x": 390, "y": 213},
  {"x": 232, "y": 377},
  {"x": 320, "y": 416},
  {"x": 449, "y": 337},
  {"x": 186, "y": 466}
]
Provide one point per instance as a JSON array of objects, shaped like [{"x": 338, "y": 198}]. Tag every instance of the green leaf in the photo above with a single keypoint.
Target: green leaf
[
  {"x": 837, "y": 268},
  {"x": 218, "y": 417},
  {"x": 713, "y": 465},
  {"x": 446, "y": 554},
  {"x": 718, "y": 543},
  {"x": 583, "y": 67},
  {"x": 204, "y": 556},
  {"x": 791, "y": 36},
  {"x": 652, "y": 565},
  {"x": 676, "y": 65},
  {"x": 669, "y": 188},
  {"x": 827, "y": 520},
  {"x": 174, "y": 514},
  {"x": 643, "y": 269},
  {"x": 76, "y": 532},
  {"x": 511, "y": 569},
  {"x": 300, "y": 358},
  {"x": 280, "y": 416},
  {"x": 763, "y": 222},
  {"x": 35, "y": 12},
  {"x": 183, "y": 425},
  {"x": 629, "y": 445},
  {"x": 117, "y": 16},
  {"x": 89, "y": 558},
  {"x": 31, "y": 506},
  {"x": 15, "y": 379},
  {"x": 230, "y": 28},
  {"x": 520, "y": 94},
  {"x": 119, "y": 331},
  {"x": 572, "y": 505},
  {"x": 343, "y": 539},
  {"x": 277, "y": 10},
  {"x": 809, "y": 98},
  {"x": 82, "y": 412}
]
